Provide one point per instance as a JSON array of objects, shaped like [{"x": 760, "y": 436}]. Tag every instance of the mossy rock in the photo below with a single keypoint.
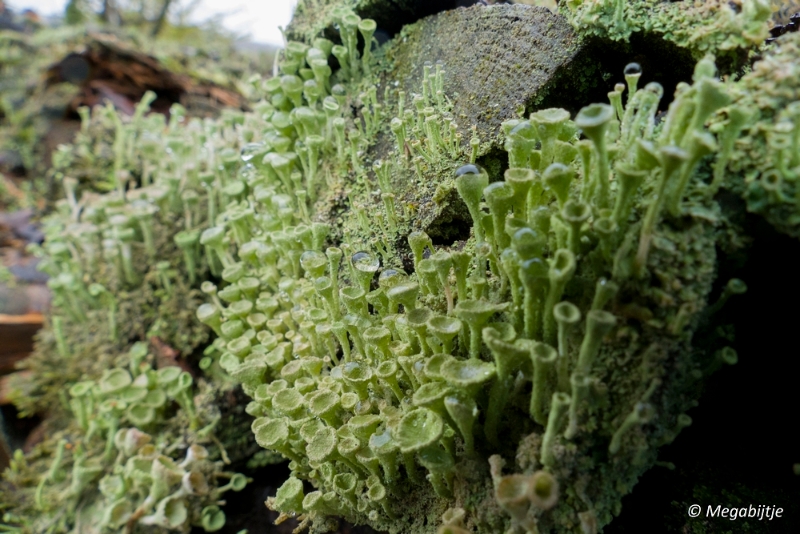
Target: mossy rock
[{"x": 498, "y": 61}]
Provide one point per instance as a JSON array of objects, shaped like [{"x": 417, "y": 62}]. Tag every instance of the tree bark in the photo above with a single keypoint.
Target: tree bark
[
  {"x": 110, "y": 14},
  {"x": 162, "y": 16}
]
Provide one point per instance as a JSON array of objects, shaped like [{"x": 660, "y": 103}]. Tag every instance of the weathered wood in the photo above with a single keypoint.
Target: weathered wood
[
  {"x": 107, "y": 70},
  {"x": 16, "y": 338},
  {"x": 23, "y": 299}
]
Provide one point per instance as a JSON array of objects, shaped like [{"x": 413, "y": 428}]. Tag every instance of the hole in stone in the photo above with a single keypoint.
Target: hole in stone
[
  {"x": 453, "y": 222},
  {"x": 592, "y": 75}
]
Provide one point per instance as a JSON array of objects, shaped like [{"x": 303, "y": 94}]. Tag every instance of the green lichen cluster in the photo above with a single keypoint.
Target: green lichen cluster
[
  {"x": 760, "y": 137},
  {"x": 376, "y": 383},
  {"x": 717, "y": 26},
  {"x": 109, "y": 474},
  {"x": 123, "y": 269},
  {"x": 115, "y": 261},
  {"x": 519, "y": 378}
]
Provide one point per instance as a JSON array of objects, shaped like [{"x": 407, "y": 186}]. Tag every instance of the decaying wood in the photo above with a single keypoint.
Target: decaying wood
[
  {"x": 167, "y": 356},
  {"x": 107, "y": 70},
  {"x": 16, "y": 338}
]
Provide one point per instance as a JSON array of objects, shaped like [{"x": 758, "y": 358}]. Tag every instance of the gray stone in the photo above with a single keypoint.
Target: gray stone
[{"x": 497, "y": 60}]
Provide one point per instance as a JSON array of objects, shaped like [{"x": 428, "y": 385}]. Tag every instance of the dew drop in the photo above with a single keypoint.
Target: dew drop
[
  {"x": 632, "y": 68},
  {"x": 379, "y": 440},
  {"x": 483, "y": 250},
  {"x": 470, "y": 168},
  {"x": 311, "y": 259},
  {"x": 282, "y": 202},
  {"x": 250, "y": 150},
  {"x": 655, "y": 88},
  {"x": 390, "y": 277},
  {"x": 523, "y": 129},
  {"x": 365, "y": 262},
  {"x": 246, "y": 172},
  {"x": 352, "y": 367}
]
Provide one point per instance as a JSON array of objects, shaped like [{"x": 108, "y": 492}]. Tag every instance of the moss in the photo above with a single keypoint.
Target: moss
[
  {"x": 719, "y": 27},
  {"x": 760, "y": 165},
  {"x": 313, "y": 18}
]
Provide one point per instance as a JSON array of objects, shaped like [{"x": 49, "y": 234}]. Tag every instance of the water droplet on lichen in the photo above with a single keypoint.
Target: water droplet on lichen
[
  {"x": 390, "y": 278},
  {"x": 246, "y": 172},
  {"x": 468, "y": 169},
  {"x": 311, "y": 259},
  {"x": 655, "y": 88},
  {"x": 250, "y": 150},
  {"x": 379, "y": 440},
  {"x": 523, "y": 129},
  {"x": 365, "y": 262},
  {"x": 632, "y": 68}
]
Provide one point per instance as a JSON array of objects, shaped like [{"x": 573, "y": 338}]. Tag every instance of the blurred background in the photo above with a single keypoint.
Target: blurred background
[
  {"x": 61, "y": 56},
  {"x": 256, "y": 21}
]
